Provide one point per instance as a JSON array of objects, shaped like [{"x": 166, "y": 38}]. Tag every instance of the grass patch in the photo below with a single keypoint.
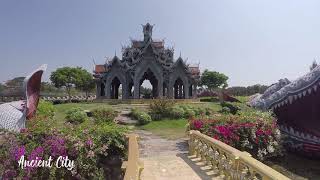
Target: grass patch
[
  {"x": 61, "y": 109},
  {"x": 167, "y": 128}
]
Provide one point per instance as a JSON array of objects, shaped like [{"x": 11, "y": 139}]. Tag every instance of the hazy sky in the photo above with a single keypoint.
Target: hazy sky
[{"x": 250, "y": 41}]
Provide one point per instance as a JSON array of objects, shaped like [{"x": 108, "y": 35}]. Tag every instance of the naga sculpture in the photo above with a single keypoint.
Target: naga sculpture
[
  {"x": 258, "y": 100},
  {"x": 13, "y": 115},
  {"x": 297, "y": 108}
]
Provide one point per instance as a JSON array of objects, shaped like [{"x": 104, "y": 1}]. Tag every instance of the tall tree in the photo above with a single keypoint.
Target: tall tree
[
  {"x": 85, "y": 81},
  {"x": 213, "y": 79},
  {"x": 70, "y": 77}
]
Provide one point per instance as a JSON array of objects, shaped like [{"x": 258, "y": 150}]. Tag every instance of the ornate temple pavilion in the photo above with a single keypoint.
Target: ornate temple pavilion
[{"x": 146, "y": 59}]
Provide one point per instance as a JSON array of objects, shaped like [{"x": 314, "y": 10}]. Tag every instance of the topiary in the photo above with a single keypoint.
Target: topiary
[{"x": 76, "y": 115}]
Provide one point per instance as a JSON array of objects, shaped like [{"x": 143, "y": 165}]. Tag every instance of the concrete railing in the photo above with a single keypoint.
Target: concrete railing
[
  {"x": 230, "y": 162},
  {"x": 134, "y": 166}
]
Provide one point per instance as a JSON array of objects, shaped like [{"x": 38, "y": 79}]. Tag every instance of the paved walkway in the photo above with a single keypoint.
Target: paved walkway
[{"x": 168, "y": 159}]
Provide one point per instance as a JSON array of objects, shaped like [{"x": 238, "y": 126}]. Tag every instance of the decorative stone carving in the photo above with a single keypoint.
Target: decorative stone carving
[{"x": 296, "y": 106}]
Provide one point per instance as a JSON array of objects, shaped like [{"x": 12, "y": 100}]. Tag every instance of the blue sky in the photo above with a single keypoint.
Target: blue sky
[{"x": 250, "y": 41}]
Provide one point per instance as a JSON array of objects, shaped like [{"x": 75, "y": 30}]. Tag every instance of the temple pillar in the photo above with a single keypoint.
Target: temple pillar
[
  {"x": 116, "y": 91},
  {"x": 136, "y": 90},
  {"x": 170, "y": 92},
  {"x": 194, "y": 92},
  {"x": 186, "y": 91},
  {"x": 107, "y": 90},
  {"x": 125, "y": 91},
  {"x": 160, "y": 89}
]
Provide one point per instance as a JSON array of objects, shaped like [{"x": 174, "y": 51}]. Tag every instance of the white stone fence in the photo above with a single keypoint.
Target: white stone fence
[{"x": 65, "y": 99}]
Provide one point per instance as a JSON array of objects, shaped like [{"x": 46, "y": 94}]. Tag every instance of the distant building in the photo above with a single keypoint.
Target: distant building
[{"x": 146, "y": 59}]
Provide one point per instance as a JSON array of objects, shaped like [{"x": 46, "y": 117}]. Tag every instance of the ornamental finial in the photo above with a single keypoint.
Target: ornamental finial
[{"x": 147, "y": 32}]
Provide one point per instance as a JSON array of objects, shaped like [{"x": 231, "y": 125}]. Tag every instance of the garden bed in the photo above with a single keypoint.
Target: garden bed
[{"x": 96, "y": 146}]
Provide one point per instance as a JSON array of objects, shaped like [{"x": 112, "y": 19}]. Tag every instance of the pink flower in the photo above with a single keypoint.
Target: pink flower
[
  {"x": 23, "y": 130},
  {"x": 89, "y": 142},
  {"x": 197, "y": 124},
  {"x": 268, "y": 132},
  {"x": 259, "y": 132},
  {"x": 20, "y": 151}
]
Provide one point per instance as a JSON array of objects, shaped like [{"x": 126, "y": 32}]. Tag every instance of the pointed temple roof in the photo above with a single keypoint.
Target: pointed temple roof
[{"x": 138, "y": 49}]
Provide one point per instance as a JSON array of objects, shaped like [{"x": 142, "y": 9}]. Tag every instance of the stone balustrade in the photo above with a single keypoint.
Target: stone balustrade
[
  {"x": 230, "y": 162},
  {"x": 134, "y": 166}
]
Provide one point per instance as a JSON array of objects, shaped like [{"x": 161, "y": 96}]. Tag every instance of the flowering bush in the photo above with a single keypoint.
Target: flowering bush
[
  {"x": 104, "y": 114},
  {"x": 161, "y": 108},
  {"x": 91, "y": 146},
  {"x": 259, "y": 138}
]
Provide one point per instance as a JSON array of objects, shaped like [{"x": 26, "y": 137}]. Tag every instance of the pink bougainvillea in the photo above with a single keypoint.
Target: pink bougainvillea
[{"x": 253, "y": 137}]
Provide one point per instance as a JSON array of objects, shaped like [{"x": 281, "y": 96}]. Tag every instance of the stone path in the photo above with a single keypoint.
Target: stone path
[
  {"x": 123, "y": 118},
  {"x": 168, "y": 159}
]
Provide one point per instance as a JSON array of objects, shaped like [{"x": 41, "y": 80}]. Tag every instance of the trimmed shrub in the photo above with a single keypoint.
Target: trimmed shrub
[
  {"x": 141, "y": 117},
  {"x": 103, "y": 114},
  {"x": 76, "y": 115},
  {"x": 45, "y": 109}
]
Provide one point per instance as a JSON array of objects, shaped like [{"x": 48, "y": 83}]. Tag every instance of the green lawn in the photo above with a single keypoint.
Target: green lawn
[
  {"x": 168, "y": 128},
  {"x": 61, "y": 109}
]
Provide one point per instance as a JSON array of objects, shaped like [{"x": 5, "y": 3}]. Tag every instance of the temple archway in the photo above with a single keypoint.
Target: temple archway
[
  {"x": 115, "y": 87},
  {"x": 190, "y": 90},
  {"x": 149, "y": 76},
  {"x": 102, "y": 90},
  {"x": 179, "y": 89},
  {"x": 165, "y": 90}
]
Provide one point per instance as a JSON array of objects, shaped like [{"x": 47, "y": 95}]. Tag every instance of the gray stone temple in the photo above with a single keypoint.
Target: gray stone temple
[{"x": 146, "y": 59}]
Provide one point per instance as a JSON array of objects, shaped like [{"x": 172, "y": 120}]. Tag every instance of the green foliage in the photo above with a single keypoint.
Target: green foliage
[
  {"x": 45, "y": 109},
  {"x": 76, "y": 115},
  {"x": 103, "y": 114},
  {"x": 85, "y": 81},
  {"x": 142, "y": 117},
  {"x": 91, "y": 146},
  {"x": 177, "y": 112},
  {"x": 161, "y": 108},
  {"x": 146, "y": 92},
  {"x": 213, "y": 79},
  {"x": 247, "y": 91},
  {"x": 69, "y": 77}
]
